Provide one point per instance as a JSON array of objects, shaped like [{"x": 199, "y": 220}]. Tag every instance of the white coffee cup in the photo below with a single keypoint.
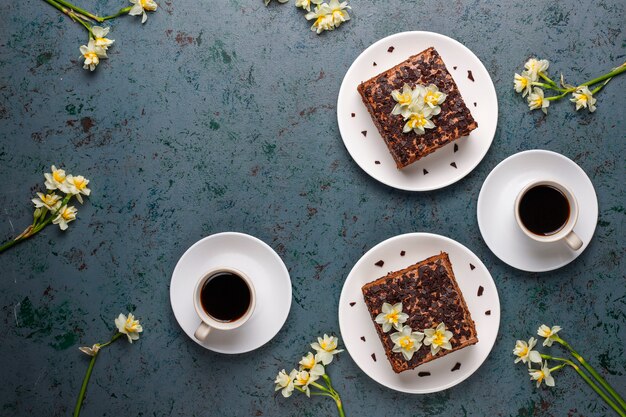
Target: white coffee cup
[
  {"x": 209, "y": 322},
  {"x": 566, "y": 232}
]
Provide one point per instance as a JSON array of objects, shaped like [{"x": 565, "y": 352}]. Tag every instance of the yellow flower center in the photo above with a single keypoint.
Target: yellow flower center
[
  {"x": 523, "y": 352},
  {"x": 92, "y": 57},
  {"x": 131, "y": 325},
  {"x": 541, "y": 376},
  {"x": 48, "y": 199},
  {"x": 537, "y": 102},
  {"x": 431, "y": 98},
  {"x": 404, "y": 99},
  {"x": 523, "y": 81},
  {"x": 406, "y": 342},
  {"x": 392, "y": 317},
  {"x": 58, "y": 175},
  {"x": 80, "y": 183},
  {"x": 439, "y": 339},
  {"x": 67, "y": 214},
  {"x": 417, "y": 120}
]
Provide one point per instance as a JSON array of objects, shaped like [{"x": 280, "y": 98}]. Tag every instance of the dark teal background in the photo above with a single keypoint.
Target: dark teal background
[{"x": 221, "y": 115}]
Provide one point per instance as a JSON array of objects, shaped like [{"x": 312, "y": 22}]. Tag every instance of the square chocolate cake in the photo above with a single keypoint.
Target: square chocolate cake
[
  {"x": 429, "y": 295},
  {"x": 425, "y": 68}
]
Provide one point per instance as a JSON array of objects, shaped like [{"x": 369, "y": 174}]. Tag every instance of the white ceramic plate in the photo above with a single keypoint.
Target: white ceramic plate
[
  {"x": 496, "y": 218},
  {"x": 254, "y": 258},
  {"x": 366, "y": 150},
  {"x": 355, "y": 321}
]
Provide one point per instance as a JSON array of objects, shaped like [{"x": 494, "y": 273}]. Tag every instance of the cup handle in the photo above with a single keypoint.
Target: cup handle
[
  {"x": 202, "y": 332},
  {"x": 573, "y": 241}
]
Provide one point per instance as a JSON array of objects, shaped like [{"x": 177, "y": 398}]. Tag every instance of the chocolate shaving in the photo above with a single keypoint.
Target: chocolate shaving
[
  {"x": 391, "y": 48},
  {"x": 374, "y": 64},
  {"x": 480, "y": 290},
  {"x": 425, "y": 172},
  {"x": 453, "y": 164},
  {"x": 475, "y": 104},
  {"x": 469, "y": 75},
  {"x": 380, "y": 263},
  {"x": 353, "y": 114},
  {"x": 456, "y": 147},
  {"x": 402, "y": 253},
  {"x": 352, "y": 304},
  {"x": 374, "y": 357},
  {"x": 364, "y": 132},
  {"x": 453, "y": 68},
  {"x": 377, "y": 162},
  {"x": 488, "y": 313},
  {"x": 472, "y": 267},
  {"x": 422, "y": 374},
  {"x": 363, "y": 338},
  {"x": 456, "y": 367}
]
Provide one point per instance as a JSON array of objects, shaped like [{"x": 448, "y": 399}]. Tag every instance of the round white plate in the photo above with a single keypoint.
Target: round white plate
[
  {"x": 254, "y": 258},
  {"x": 496, "y": 218},
  {"x": 366, "y": 150},
  {"x": 355, "y": 321}
]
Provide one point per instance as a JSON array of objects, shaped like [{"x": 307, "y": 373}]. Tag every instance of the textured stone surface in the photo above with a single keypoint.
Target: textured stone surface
[{"x": 219, "y": 116}]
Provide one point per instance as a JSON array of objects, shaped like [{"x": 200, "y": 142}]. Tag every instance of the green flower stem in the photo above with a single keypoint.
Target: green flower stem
[
  {"x": 560, "y": 96},
  {"x": 79, "y": 10},
  {"x": 547, "y": 79},
  {"x": 593, "y": 372},
  {"x": 83, "y": 388},
  {"x": 589, "y": 382},
  {"x": 611, "y": 74},
  {"x": 601, "y": 86},
  {"x": 329, "y": 393},
  {"x": 125, "y": 10},
  {"x": 548, "y": 86}
]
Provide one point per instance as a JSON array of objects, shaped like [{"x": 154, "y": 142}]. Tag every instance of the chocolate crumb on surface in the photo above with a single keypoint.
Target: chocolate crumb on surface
[
  {"x": 425, "y": 172},
  {"x": 374, "y": 64},
  {"x": 475, "y": 104},
  {"x": 472, "y": 267},
  {"x": 456, "y": 367},
  {"x": 352, "y": 304},
  {"x": 391, "y": 48},
  {"x": 456, "y": 147},
  {"x": 374, "y": 357},
  {"x": 353, "y": 114},
  {"x": 363, "y": 338},
  {"x": 422, "y": 374},
  {"x": 454, "y": 67},
  {"x": 364, "y": 132},
  {"x": 488, "y": 313},
  {"x": 402, "y": 253},
  {"x": 480, "y": 290},
  {"x": 453, "y": 164},
  {"x": 377, "y": 162},
  {"x": 380, "y": 263},
  {"x": 470, "y": 75}
]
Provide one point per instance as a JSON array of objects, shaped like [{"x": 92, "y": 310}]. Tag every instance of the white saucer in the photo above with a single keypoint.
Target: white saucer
[
  {"x": 366, "y": 150},
  {"x": 254, "y": 258},
  {"x": 496, "y": 218},
  {"x": 355, "y": 321}
]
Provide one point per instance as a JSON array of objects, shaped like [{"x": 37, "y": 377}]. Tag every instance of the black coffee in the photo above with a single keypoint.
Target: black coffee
[
  {"x": 544, "y": 210},
  {"x": 225, "y": 296}
]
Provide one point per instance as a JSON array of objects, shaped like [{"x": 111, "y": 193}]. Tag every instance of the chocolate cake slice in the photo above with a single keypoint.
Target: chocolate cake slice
[
  {"x": 454, "y": 121},
  {"x": 430, "y": 295}
]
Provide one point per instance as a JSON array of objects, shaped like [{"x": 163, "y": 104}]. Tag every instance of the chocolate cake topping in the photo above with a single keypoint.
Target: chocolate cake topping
[
  {"x": 352, "y": 304},
  {"x": 453, "y": 164},
  {"x": 472, "y": 267},
  {"x": 391, "y": 48},
  {"x": 480, "y": 290},
  {"x": 380, "y": 263},
  {"x": 425, "y": 172},
  {"x": 456, "y": 147},
  {"x": 374, "y": 64},
  {"x": 374, "y": 357},
  {"x": 353, "y": 114},
  {"x": 470, "y": 75},
  {"x": 363, "y": 338},
  {"x": 422, "y": 374},
  {"x": 456, "y": 367},
  {"x": 402, "y": 253},
  {"x": 364, "y": 132},
  {"x": 488, "y": 313},
  {"x": 377, "y": 162},
  {"x": 454, "y": 68}
]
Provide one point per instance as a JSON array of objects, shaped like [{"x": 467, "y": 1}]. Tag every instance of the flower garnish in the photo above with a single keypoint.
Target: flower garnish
[
  {"x": 306, "y": 4},
  {"x": 584, "y": 98},
  {"x": 525, "y": 353},
  {"x": 391, "y": 315},
  {"x": 323, "y": 18},
  {"x": 549, "y": 333},
  {"x": 303, "y": 379},
  {"x": 55, "y": 178},
  {"x": 325, "y": 347},
  {"x": 128, "y": 326},
  {"x": 407, "y": 342},
  {"x": 284, "y": 382},
  {"x": 91, "y": 351},
  {"x": 100, "y": 39},
  {"x": 438, "y": 338},
  {"x": 92, "y": 54},
  {"x": 404, "y": 99},
  {"x": 535, "y": 67},
  {"x": 310, "y": 363},
  {"x": 76, "y": 185},
  {"x": 431, "y": 97},
  {"x": 50, "y": 201},
  {"x": 523, "y": 83},
  {"x": 140, "y": 7},
  {"x": 338, "y": 12},
  {"x": 541, "y": 375},
  {"x": 536, "y": 100},
  {"x": 418, "y": 121},
  {"x": 65, "y": 215}
]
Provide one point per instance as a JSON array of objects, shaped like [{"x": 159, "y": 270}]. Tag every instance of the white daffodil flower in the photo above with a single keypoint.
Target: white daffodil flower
[
  {"x": 438, "y": 338},
  {"x": 404, "y": 99},
  {"x": 76, "y": 185},
  {"x": 55, "y": 178},
  {"x": 100, "y": 39},
  {"x": 303, "y": 379},
  {"x": 536, "y": 100},
  {"x": 323, "y": 18},
  {"x": 306, "y": 4},
  {"x": 583, "y": 97},
  {"x": 65, "y": 215},
  {"x": 50, "y": 201},
  {"x": 309, "y": 363},
  {"x": 91, "y": 351},
  {"x": 140, "y": 7},
  {"x": 92, "y": 54},
  {"x": 549, "y": 333},
  {"x": 525, "y": 353},
  {"x": 431, "y": 97},
  {"x": 338, "y": 12},
  {"x": 284, "y": 382},
  {"x": 326, "y": 347},
  {"x": 522, "y": 83},
  {"x": 419, "y": 120},
  {"x": 536, "y": 66},
  {"x": 128, "y": 326},
  {"x": 407, "y": 342},
  {"x": 391, "y": 315},
  {"x": 541, "y": 375}
]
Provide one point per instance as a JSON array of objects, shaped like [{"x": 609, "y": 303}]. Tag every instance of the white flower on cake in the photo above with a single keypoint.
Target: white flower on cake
[
  {"x": 50, "y": 201},
  {"x": 419, "y": 120},
  {"x": 325, "y": 347},
  {"x": 91, "y": 351},
  {"x": 338, "y": 12},
  {"x": 522, "y": 83},
  {"x": 407, "y": 342},
  {"x": 92, "y": 54},
  {"x": 100, "y": 39},
  {"x": 431, "y": 97},
  {"x": 438, "y": 338},
  {"x": 65, "y": 215},
  {"x": 284, "y": 382},
  {"x": 76, "y": 185},
  {"x": 404, "y": 99},
  {"x": 391, "y": 315},
  {"x": 583, "y": 97},
  {"x": 541, "y": 375},
  {"x": 549, "y": 333},
  {"x": 140, "y": 7},
  {"x": 536, "y": 100},
  {"x": 303, "y": 379},
  {"x": 129, "y": 326},
  {"x": 306, "y": 4},
  {"x": 55, "y": 178},
  {"x": 323, "y": 18},
  {"x": 535, "y": 67},
  {"x": 310, "y": 363},
  {"x": 525, "y": 353}
]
